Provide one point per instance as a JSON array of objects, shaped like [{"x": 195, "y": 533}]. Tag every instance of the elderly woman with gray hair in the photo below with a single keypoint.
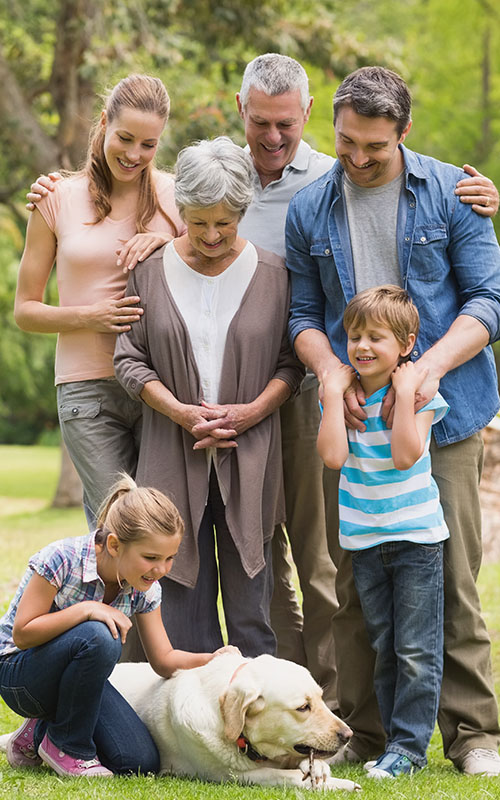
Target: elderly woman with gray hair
[{"x": 211, "y": 361}]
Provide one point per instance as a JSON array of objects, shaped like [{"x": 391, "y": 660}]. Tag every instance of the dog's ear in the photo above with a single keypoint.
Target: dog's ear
[{"x": 235, "y": 703}]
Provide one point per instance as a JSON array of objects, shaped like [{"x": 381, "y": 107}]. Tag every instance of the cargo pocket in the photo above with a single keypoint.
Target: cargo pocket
[{"x": 75, "y": 411}]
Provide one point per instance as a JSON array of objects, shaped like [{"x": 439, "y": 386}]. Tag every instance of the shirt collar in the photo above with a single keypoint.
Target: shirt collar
[
  {"x": 412, "y": 166},
  {"x": 89, "y": 561},
  {"x": 299, "y": 163},
  {"x": 89, "y": 558}
]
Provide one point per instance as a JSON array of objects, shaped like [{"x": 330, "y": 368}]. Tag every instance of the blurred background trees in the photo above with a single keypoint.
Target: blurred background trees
[{"x": 56, "y": 56}]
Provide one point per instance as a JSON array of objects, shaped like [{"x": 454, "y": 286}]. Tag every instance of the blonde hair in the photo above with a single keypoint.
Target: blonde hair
[
  {"x": 131, "y": 512},
  {"x": 143, "y": 93},
  {"x": 387, "y": 305}
]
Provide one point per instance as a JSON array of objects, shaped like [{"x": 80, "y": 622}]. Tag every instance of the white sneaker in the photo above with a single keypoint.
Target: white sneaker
[{"x": 481, "y": 761}]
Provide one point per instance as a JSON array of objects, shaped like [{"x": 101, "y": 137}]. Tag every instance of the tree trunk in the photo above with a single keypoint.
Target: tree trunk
[{"x": 69, "y": 488}]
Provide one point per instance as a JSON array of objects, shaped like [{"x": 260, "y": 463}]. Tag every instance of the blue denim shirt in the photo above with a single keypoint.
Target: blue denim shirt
[{"x": 450, "y": 264}]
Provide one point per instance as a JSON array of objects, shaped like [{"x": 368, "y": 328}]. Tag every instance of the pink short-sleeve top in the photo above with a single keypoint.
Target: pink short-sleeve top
[{"x": 86, "y": 267}]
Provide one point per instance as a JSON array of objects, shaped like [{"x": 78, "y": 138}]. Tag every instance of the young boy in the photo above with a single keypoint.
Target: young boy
[{"x": 391, "y": 518}]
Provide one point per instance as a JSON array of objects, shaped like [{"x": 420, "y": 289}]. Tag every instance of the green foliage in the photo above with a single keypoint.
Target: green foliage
[
  {"x": 60, "y": 56},
  {"x": 27, "y": 399}
]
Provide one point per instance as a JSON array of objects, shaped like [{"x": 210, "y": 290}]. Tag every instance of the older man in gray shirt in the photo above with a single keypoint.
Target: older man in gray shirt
[{"x": 274, "y": 104}]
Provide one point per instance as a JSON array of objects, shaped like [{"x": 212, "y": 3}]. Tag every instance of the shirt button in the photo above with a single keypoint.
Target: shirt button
[
  {"x": 423, "y": 239},
  {"x": 412, "y": 205},
  {"x": 407, "y": 238},
  {"x": 327, "y": 251},
  {"x": 415, "y": 353},
  {"x": 74, "y": 411}
]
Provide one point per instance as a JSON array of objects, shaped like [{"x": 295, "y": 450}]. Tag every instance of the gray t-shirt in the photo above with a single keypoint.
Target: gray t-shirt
[{"x": 372, "y": 215}]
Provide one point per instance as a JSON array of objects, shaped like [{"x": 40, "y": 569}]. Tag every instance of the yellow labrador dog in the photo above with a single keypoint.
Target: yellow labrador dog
[{"x": 251, "y": 720}]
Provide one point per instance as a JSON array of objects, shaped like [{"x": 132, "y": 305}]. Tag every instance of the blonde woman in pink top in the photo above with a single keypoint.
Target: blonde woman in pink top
[{"x": 97, "y": 224}]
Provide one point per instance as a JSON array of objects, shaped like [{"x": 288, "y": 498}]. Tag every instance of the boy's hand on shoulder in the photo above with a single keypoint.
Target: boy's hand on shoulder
[
  {"x": 407, "y": 379},
  {"x": 338, "y": 379}
]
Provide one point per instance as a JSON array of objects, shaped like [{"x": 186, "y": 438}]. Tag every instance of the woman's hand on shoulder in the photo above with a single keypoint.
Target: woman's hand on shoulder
[
  {"x": 140, "y": 247},
  {"x": 42, "y": 186}
]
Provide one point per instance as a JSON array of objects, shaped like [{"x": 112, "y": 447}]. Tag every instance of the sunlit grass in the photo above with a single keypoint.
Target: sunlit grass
[{"x": 28, "y": 478}]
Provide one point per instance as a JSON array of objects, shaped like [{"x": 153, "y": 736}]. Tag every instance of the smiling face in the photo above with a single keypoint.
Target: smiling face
[
  {"x": 144, "y": 561},
  {"x": 273, "y": 130},
  {"x": 367, "y": 147},
  {"x": 374, "y": 352},
  {"x": 212, "y": 231},
  {"x": 130, "y": 142}
]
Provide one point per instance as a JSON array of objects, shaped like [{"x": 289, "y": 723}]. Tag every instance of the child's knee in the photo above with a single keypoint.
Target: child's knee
[{"x": 98, "y": 638}]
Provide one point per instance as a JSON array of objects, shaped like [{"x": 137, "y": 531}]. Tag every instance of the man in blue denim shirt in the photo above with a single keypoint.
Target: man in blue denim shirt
[{"x": 385, "y": 214}]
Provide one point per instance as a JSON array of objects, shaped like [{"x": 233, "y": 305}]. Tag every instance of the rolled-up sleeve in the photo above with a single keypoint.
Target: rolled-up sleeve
[
  {"x": 475, "y": 257},
  {"x": 307, "y": 306}
]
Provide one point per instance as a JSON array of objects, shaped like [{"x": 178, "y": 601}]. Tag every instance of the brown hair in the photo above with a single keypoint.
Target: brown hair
[
  {"x": 144, "y": 93},
  {"x": 132, "y": 511},
  {"x": 387, "y": 305}
]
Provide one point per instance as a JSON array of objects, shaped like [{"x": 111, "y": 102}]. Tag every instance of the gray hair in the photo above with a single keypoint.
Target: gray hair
[
  {"x": 275, "y": 74},
  {"x": 212, "y": 172},
  {"x": 375, "y": 92}
]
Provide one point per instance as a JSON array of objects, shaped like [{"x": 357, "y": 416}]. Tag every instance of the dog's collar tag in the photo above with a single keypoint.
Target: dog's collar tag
[{"x": 246, "y": 749}]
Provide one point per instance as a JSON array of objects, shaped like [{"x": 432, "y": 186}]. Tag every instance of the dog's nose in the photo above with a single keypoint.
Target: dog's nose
[{"x": 344, "y": 735}]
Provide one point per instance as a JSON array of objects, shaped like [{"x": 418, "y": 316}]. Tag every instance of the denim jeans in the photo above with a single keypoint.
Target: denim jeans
[
  {"x": 400, "y": 587},
  {"x": 63, "y": 683}
]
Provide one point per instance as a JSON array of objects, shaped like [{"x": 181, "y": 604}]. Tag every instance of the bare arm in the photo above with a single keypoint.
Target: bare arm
[
  {"x": 35, "y": 624},
  {"x": 159, "y": 651},
  {"x": 464, "y": 339},
  {"x": 409, "y": 430},
  {"x": 30, "y": 311},
  {"x": 332, "y": 441}
]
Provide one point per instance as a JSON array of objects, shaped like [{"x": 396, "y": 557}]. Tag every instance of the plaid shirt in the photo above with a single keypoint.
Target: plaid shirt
[{"x": 70, "y": 566}]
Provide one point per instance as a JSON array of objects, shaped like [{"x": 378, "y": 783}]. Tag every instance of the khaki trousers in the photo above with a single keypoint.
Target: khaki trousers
[
  {"x": 468, "y": 712},
  {"x": 304, "y": 635}
]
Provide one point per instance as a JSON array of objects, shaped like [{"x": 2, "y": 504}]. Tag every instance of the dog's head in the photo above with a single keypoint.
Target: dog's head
[{"x": 279, "y": 708}]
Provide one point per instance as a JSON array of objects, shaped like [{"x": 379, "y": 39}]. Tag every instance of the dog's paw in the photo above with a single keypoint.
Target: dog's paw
[
  {"x": 315, "y": 773},
  {"x": 340, "y": 783}
]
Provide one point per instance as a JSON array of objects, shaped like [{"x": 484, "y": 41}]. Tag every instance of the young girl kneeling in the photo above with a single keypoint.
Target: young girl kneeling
[{"x": 64, "y": 630}]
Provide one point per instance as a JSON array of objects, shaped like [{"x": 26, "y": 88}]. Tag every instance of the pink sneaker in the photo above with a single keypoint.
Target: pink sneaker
[
  {"x": 21, "y": 748},
  {"x": 70, "y": 767}
]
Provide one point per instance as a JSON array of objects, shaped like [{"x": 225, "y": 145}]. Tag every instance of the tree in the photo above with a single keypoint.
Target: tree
[{"x": 55, "y": 55}]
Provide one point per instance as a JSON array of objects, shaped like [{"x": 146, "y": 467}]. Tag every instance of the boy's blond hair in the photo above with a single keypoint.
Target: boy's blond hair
[{"x": 387, "y": 305}]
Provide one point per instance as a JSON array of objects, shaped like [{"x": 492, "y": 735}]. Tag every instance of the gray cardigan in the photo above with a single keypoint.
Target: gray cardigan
[{"x": 257, "y": 349}]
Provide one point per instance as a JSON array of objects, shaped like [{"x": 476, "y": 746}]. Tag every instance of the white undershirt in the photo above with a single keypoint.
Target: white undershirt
[{"x": 207, "y": 305}]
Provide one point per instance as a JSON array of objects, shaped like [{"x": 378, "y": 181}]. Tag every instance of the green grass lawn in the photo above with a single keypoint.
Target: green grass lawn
[{"x": 28, "y": 477}]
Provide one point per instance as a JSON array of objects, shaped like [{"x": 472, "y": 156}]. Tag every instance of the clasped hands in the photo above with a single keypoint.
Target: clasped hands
[{"x": 216, "y": 424}]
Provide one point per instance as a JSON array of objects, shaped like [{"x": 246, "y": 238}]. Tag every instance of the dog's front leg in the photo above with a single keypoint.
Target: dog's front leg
[{"x": 273, "y": 776}]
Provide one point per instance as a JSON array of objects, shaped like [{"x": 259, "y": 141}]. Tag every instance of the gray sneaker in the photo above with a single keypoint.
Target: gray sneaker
[{"x": 481, "y": 761}]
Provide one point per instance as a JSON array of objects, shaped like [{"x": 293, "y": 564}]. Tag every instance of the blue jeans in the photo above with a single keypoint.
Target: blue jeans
[
  {"x": 64, "y": 685},
  {"x": 191, "y": 617},
  {"x": 400, "y": 587}
]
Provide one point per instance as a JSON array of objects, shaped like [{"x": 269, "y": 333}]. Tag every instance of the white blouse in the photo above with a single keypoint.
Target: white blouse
[{"x": 207, "y": 305}]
